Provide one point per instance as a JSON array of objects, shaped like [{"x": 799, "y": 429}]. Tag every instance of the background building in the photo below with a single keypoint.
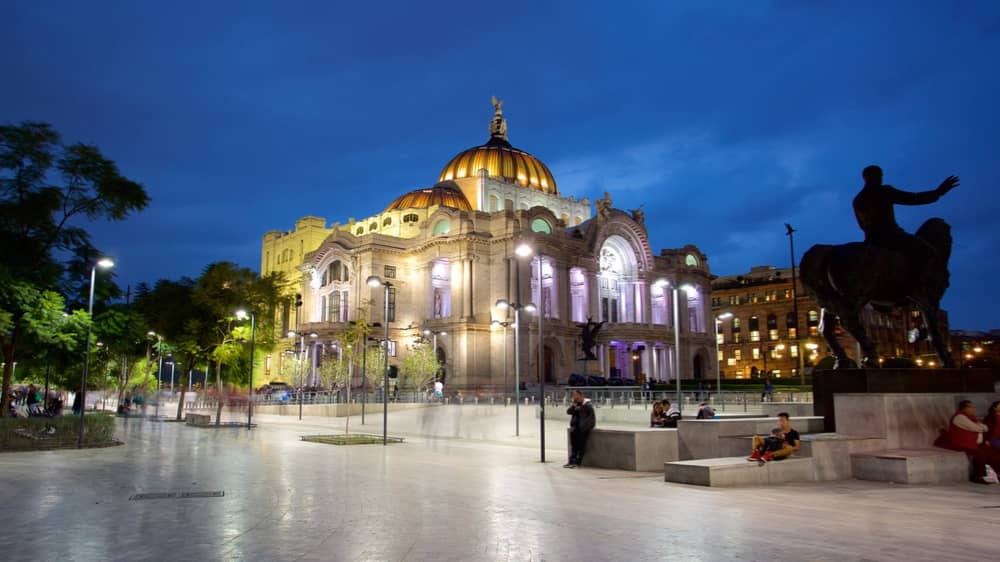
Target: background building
[
  {"x": 976, "y": 349},
  {"x": 449, "y": 251},
  {"x": 763, "y": 333}
]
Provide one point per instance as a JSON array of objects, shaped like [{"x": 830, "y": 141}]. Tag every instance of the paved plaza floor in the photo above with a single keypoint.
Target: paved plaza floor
[{"x": 446, "y": 498}]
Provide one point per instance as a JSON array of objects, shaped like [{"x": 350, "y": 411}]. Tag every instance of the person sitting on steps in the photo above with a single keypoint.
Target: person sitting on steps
[
  {"x": 657, "y": 418},
  {"x": 671, "y": 413},
  {"x": 790, "y": 445},
  {"x": 768, "y": 446}
]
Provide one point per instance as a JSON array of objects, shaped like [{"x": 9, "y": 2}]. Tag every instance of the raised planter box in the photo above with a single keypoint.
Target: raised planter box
[{"x": 198, "y": 419}]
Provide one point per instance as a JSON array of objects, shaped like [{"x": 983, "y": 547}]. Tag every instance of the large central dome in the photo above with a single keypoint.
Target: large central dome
[{"x": 500, "y": 160}]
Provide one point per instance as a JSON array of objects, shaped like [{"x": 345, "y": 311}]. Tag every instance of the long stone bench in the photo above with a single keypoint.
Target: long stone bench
[
  {"x": 630, "y": 448},
  {"x": 911, "y": 466},
  {"x": 699, "y": 439},
  {"x": 794, "y": 409},
  {"x": 832, "y": 451},
  {"x": 737, "y": 471}
]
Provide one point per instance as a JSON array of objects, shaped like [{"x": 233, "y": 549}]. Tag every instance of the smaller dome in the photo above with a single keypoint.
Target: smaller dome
[{"x": 443, "y": 194}]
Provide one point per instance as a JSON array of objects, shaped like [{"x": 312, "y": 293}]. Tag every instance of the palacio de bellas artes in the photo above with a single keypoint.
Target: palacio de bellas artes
[{"x": 451, "y": 252}]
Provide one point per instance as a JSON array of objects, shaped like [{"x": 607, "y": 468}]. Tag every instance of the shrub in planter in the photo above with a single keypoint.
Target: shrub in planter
[{"x": 26, "y": 434}]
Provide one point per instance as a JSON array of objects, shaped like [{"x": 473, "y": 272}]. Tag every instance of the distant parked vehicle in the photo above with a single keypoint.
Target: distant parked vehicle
[{"x": 594, "y": 380}]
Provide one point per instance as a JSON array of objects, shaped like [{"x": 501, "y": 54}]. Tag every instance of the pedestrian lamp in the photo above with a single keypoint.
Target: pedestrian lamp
[
  {"x": 303, "y": 358},
  {"x": 376, "y": 281},
  {"x": 503, "y": 304},
  {"x": 718, "y": 364},
  {"x": 242, "y": 315},
  {"x": 524, "y": 251},
  {"x": 103, "y": 263},
  {"x": 434, "y": 342},
  {"x": 676, "y": 290},
  {"x": 504, "y": 325}
]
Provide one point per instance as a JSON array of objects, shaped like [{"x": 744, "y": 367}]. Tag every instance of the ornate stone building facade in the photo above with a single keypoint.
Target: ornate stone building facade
[{"x": 449, "y": 252}]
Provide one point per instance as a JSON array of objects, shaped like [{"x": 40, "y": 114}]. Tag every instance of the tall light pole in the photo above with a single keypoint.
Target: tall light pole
[
  {"x": 677, "y": 338},
  {"x": 376, "y": 281},
  {"x": 303, "y": 357},
  {"x": 242, "y": 314},
  {"x": 104, "y": 263},
  {"x": 434, "y": 342},
  {"x": 524, "y": 251},
  {"x": 718, "y": 363},
  {"x": 790, "y": 232},
  {"x": 504, "y": 324},
  {"x": 517, "y": 307}
]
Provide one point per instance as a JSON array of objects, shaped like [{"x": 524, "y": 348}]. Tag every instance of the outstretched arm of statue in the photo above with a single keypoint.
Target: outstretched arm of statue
[{"x": 900, "y": 197}]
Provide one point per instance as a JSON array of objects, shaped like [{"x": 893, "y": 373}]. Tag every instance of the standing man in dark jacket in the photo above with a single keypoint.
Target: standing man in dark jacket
[{"x": 582, "y": 420}]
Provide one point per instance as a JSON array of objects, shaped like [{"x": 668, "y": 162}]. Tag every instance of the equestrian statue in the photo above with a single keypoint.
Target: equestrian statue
[{"x": 891, "y": 268}]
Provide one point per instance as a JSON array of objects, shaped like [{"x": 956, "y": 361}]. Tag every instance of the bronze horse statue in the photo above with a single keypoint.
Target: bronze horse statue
[{"x": 845, "y": 278}]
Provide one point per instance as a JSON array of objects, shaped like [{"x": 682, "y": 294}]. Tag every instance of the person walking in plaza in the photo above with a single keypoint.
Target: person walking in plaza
[{"x": 581, "y": 421}]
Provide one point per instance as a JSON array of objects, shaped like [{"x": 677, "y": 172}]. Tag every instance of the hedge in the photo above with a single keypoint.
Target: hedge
[{"x": 30, "y": 434}]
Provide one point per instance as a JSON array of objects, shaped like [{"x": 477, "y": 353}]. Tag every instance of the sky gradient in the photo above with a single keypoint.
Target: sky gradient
[{"x": 724, "y": 119}]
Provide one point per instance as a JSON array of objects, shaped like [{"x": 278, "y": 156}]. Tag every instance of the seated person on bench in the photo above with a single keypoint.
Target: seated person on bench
[{"x": 790, "y": 445}]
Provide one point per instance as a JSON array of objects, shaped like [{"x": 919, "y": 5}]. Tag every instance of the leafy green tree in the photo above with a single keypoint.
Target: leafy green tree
[
  {"x": 419, "y": 366},
  {"x": 47, "y": 189}
]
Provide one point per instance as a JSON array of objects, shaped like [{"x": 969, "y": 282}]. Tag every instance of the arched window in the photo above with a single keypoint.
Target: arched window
[
  {"x": 578, "y": 294},
  {"x": 386, "y": 221},
  {"x": 541, "y": 225},
  {"x": 410, "y": 217},
  {"x": 360, "y": 231},
  {"x": 442, "y": 226},
  {"x": 494, "y": 204},
  {"x": 691, "y": 260},
  {"x": 544, "y": 291},
  {"x": 372, "y": 226}
]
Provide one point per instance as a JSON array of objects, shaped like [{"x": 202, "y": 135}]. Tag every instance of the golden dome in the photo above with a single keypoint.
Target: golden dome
[
  {"x": 501, "y": 160},
  {"x": 443, "y": 194}
]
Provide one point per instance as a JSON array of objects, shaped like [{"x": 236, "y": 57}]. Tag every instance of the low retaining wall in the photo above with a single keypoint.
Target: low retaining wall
[
  {"x": 333, "y": 410},
  {"x": 793, "y": 409},
  {"x": 629, "y": 448}
]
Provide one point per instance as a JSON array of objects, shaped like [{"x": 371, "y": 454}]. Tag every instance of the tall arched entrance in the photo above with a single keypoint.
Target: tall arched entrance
[
  {"x": 548, "y": 365},
  {"x": 698, "y": 367},
  {"x": 441, "y": 358}
]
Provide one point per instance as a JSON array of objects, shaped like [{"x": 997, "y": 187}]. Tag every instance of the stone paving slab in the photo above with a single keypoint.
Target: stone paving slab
[{"x": 446, "y": 499}]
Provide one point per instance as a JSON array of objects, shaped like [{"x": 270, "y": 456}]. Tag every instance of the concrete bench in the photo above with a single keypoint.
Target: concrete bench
[
  {"x": 700, "y": 439},
  {"x": 911, "y": 466},
  {"x": 831, "y": 451},
  {"x": 630, "y": 448},
  {"x": 737, "y": 471},
  {"x": 198, "y": 419}
]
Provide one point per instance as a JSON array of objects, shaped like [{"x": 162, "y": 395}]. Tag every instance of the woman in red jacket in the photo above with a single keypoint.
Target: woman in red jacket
[{"x": 966, "y": 434}]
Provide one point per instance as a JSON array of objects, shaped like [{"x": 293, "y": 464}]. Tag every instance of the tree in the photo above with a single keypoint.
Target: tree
[
  {"x": 46, "y": 189},
  {"x": 419, "y": 366}
]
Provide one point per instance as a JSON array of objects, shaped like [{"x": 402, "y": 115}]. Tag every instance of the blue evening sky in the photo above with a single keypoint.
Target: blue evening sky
[{"x": 725, "y": 119}]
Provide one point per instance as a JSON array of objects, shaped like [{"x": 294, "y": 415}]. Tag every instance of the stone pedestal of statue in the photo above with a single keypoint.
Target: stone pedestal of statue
[
  {"x": 591, "y": 367},
  {"x": 955, "y": 382}
]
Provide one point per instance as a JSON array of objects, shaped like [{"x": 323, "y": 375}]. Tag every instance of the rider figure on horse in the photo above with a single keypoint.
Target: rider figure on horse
[{"x": 873, "y": 208}]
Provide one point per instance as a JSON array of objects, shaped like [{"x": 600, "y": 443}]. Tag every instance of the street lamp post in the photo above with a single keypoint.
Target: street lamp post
[
  {"x": 524, "y": 250},
  {"x": 303, "y": 358},
  {"x": 376, "y": 281},
  {"x": 677, "y": 339},
  {"x": 795, "y": 305},
  {"x": 102, "y": 263},
  {"x": 504, "y": 324},
  {"x": 434, "y": 342},
  {"x": 517, "y": 307},
  {"x": 242, "y": 314},
  {"x": 718, "y": 363}
]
